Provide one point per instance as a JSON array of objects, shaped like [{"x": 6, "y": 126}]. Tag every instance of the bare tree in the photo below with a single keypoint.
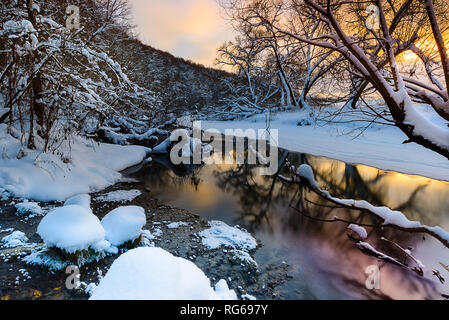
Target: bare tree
[
  {"x": 372, "y": 52},
  {"x": 258, "y": 85}
]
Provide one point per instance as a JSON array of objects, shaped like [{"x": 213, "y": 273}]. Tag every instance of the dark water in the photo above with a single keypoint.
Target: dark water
[{"x": 324, "y": 261}]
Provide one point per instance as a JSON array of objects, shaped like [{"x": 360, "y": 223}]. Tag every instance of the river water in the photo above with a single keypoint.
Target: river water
[{"x": 324, "y": 262}]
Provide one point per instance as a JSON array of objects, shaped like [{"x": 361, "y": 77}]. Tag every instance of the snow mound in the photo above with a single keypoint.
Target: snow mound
[
  {"x": 71, "y": 228},
  {"x": 154, "y": 274},
  {"x": 120, "y": 196},
  {"x": 32, "y": 208},
  {"x": 124, "y": 224},
  {"x": 82, "y": 200},
  {"x": 220, "y": 234},
  {"x": 15, "y": 239}
]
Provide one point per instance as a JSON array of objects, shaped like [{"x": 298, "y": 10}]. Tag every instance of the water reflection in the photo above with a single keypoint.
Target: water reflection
[{"x": 325, "y": 262}]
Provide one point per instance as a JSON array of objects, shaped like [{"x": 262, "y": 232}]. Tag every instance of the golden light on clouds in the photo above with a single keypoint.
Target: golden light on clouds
[{"x": 191, "y": 29}]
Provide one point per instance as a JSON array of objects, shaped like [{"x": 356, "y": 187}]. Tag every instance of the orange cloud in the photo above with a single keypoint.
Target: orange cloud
[{"x": 192, "y": 29}]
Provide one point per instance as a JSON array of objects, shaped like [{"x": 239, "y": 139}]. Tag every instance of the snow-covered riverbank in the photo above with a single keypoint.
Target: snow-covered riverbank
[
  {"x": 379, "y": 146},
  {"x": 176, "y": 231},
  {"x": 89, "y": 166}
]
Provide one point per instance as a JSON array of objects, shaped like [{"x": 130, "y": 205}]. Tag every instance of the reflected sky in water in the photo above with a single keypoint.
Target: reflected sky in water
[{"x": 324, "y": 261}]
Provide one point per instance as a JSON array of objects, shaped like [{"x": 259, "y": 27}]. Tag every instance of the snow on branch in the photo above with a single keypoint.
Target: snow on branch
[{"x": 393, "y": 219}]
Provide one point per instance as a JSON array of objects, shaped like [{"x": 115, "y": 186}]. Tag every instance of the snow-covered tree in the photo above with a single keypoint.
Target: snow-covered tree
[
  {"x": 56, "y": 81},
  {"x": 368, "y": 37}
]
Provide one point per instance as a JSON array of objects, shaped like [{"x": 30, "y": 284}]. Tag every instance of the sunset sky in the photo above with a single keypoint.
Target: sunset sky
[{"x": 192, "y": 29}]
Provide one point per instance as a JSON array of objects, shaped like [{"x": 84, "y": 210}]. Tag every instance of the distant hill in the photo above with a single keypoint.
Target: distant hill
[{"x": 181, "y": 86}]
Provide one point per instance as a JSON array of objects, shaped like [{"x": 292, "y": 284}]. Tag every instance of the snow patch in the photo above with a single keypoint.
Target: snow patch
[
  {"x": 220, "y": 234},
  {"x": 175, "y": 225},
  {"x": 15, "y": 239},
  {"x": 248, "y": 297},
  {"x": 120, "y": 196},
  {"x": 245, "y": 257},
  {"x": 31, "y": 208}
]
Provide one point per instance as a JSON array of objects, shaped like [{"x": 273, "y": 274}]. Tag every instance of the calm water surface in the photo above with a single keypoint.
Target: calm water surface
[{"x": 324, "y": 262}]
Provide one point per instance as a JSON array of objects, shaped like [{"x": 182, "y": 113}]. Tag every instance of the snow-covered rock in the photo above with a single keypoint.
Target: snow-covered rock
[
  {"x": 155, "y": 274},
  {"x": 82, "y": 200},
  {"x": 220, "y": 234},
  {"x": 124, "y": 224},
  {"x": 15, "y": 239},
  {"x": 30, "y": 207},
  {"x": 71, "y": 228}
]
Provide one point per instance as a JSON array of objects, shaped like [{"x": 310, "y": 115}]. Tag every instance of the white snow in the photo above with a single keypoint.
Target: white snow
[
  {"x": 32, "y": 208},
  {"x": 366, "y": 246},
  {"x": 71, "y": 228},
  {"x": 379, "y": 146},
  {"x": 90, "y": 288},
  {"x": 245, "y": 257},
  {"x": 45, "y": 177},
  {"x": 82, "y": 200},
  {"x": 15, "y": 239},
  {"x": 147, "y": 238},
  {"x": 223, "y": 292},
  {"x": 155, "y": 274},
  {"x": 305, "y": 171},
  {"x": 104, "y": 246},
  {"x": 120, "y": 196},
  {"x": 359, "y": 230},
  {"x": 124, "y": 224},
  {"x": 163, "y": 147},
  {"x": 157, "y": 232},
  {"x": 427, "y": 123},
  {"x": 221, "y": 234},
  {"x": 248, "y": 297},
  {"x": 175, "y": 225}
]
